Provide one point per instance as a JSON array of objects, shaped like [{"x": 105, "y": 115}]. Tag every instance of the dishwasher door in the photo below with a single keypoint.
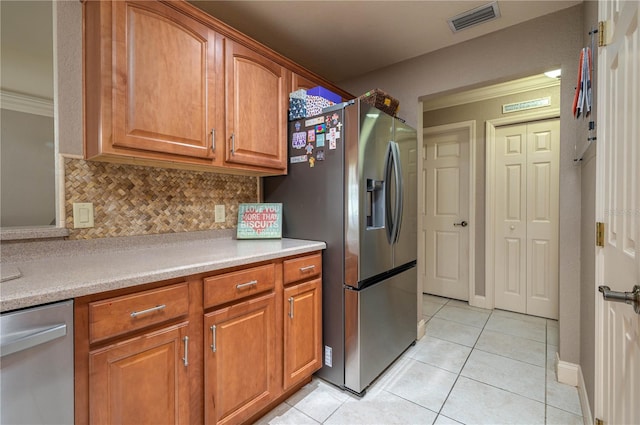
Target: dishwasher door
[{"x": 36, "y": 365}]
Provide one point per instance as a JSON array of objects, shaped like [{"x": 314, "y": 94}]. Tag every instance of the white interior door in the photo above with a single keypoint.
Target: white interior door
[
  {"x": 446, "y": 217},
  {"x": 617, "y": 388},
  {"x": 526, "y": 217},
  {"x": 511, "y": 218}
]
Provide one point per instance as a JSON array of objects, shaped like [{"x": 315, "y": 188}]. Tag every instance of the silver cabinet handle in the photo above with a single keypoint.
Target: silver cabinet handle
[
  {"x": 631, "y": 298},
  {"x": 213, "y": 139},
  {"x": 185, "y": 359},
  {"x": 39, "y": 336},
  {"x": 233, "y": 143},
  {"x": 135, "y": 314},
  {"x": 291, "y": 307},
  {"x": 213, "y": 338},
  {"x": 304, "y": 269},
  {"x": 244, "y": 285}
]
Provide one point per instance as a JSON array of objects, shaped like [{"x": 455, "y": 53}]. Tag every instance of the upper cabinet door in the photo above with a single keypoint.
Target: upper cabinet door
[
  {"x": 257, "y": 96},
  {"x": 164, "y": 82}
]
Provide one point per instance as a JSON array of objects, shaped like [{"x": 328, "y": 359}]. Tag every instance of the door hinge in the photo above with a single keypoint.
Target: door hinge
[
  {"x": 599, "y": 422},
  {"x": 599, "y": 234},
  {"x": 601, "y": 34}
]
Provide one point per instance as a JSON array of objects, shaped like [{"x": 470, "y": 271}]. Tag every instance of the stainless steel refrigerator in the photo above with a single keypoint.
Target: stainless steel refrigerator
[{"x": 352, "y": 183}]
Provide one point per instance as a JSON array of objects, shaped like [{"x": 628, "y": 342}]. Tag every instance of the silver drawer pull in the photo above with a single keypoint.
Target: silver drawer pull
[
  {"x": 185, "y": 359},
  {"x": 135, "y": 314},
  {"x": 213, "y": 338},
  {"x": 244, "y": 285},
  {"x": 304, "y": 269}
]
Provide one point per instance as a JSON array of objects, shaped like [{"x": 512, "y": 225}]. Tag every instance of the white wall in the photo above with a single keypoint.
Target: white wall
[
  {"x": 588, "y": 292},
  {"x": 27, "y": 172},
  {"x": 538, "y": 45}
]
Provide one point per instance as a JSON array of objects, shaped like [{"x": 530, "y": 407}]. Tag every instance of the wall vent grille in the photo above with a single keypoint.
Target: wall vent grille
[{"x": 475, "y": 16}]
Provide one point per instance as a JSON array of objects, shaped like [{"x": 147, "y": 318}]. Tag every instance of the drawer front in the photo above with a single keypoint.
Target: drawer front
[
  {"x": 236, "y": 285},
  {"x": 302, "y": 268},
  {"x": 117, "y": 316}
]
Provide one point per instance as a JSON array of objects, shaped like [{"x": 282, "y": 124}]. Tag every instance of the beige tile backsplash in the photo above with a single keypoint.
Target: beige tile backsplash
[{"x": 136, "y": 200}]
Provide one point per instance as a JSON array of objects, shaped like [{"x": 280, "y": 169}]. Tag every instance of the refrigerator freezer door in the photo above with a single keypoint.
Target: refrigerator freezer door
[
  {"x": 406, "y": 245},
  {"x": 368, "y": 251},
  {"x": 380, "y": 323}
]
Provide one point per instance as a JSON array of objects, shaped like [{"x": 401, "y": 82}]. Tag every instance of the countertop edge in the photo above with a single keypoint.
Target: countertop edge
[
  {"x": 30, "y": 298},
  {"x": 36, "y": 232}
]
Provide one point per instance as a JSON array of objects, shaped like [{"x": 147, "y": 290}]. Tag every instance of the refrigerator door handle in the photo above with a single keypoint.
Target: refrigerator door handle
[
  {"x": 397, "y": 166},
  {"x": 388, "y": 219},
  {"x": 393, "y": 217}
]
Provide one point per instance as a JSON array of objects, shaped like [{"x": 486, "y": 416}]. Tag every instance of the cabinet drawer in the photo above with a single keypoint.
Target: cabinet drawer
[
  {"x": 233, "y": 286},
  {"x": 302, "y": 268},
  {"x": 117, "y": 316}
]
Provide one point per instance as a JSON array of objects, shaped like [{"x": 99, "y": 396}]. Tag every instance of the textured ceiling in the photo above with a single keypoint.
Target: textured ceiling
[{"x": 344, "y": 39}]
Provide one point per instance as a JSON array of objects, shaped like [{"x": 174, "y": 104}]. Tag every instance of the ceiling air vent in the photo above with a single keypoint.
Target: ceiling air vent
[{"x": 474, "y": 17}]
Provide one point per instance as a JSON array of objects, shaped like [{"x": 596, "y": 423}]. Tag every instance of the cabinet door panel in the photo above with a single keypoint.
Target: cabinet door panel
[
  {"x": 163, "y": 96},
  {"x": 239, "y": 358},
  {"x": 302, "y": 331},
  {"x": 257, "y": 102},
  {"x": 140, "y": 381}
]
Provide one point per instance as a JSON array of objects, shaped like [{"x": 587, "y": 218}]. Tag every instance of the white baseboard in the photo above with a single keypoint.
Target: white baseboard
[
  {"x": 567, "y": 372},
  {"x": 571, "y": 374},
  {"x": 584, "y": 399},
  {"x": 422, "y": 328},
  {"x": 478, "y": 301}
]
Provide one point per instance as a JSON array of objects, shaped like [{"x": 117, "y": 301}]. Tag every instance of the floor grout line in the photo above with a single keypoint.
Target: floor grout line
[{"x": 386, "y": 390}]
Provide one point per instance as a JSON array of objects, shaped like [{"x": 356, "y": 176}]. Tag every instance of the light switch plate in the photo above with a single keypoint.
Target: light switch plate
[
  {"x": 220, "y": 215},
  {"x": 82, "y": 215}
]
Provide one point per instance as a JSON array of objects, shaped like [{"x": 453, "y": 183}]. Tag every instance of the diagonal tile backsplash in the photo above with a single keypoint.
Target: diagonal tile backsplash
[{"x": 137, "y": 200}]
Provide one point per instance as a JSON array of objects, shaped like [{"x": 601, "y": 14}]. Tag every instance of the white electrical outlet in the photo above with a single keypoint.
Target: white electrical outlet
[
  {"x": 82, "y": 215},
  {"x": 219, "y": 212},
  {"x": 328, "y": 356}
]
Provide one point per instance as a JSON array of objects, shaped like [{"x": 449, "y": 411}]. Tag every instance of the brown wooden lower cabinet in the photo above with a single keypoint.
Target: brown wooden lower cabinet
[
  {"x": 239, "y": 356},
  {"x": 142, "y": 380},
  {"x": 302, "y": 331},
  {"x": 221, "y": 348}
]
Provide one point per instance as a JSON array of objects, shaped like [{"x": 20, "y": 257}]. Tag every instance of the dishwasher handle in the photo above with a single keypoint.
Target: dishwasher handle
[{"x": 40, "y": 336}]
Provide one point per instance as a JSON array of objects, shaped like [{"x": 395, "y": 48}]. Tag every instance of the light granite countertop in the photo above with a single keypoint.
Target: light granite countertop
[{"x": 71, "y": 269}]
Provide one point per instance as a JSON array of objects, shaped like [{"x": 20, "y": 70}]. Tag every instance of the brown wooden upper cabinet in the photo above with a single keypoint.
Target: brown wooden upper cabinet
[
  {"x": 165, "y": 84},
  {"x": 257, "y": 103},
  {"x": 165, "y": 91},
  {"x": 151, "y": 84}
]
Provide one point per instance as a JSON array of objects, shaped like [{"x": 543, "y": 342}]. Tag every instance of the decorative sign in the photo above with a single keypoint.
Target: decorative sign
[
  {"x": 529, "y": 104},
  {"x": 259, "y": 221}
]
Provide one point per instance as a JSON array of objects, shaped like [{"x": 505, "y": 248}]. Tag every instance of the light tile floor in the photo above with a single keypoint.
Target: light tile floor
[{"x": 473, "y": 366}]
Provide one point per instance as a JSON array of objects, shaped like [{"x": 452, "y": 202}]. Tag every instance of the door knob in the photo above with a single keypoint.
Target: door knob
[
  {"x": 631, "y": 298},
  {"x": 462, "y": 223}
]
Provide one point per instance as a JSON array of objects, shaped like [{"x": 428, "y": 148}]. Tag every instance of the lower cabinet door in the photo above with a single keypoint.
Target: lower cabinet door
[
  {"x": 142, "y": 380},
  {"x": 240, "y": 350},
  {"x": 302, "y": 331}
]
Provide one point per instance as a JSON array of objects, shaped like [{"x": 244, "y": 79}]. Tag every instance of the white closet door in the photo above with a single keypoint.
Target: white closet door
[
  {"x": 511, "y": 218},
  {"x": 526, "y": 217},
  {"x": 543, "y": 143}
]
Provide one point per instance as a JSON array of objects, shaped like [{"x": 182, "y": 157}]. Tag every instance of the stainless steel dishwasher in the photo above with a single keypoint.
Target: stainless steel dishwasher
[{"x": 36, "y": 365}]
